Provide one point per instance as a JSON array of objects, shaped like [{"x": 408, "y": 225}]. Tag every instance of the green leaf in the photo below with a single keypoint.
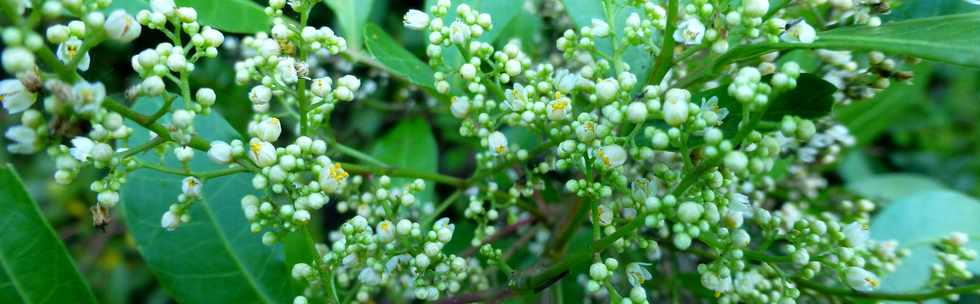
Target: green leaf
[
  {"x": 812, "y": 98},
  {"x": 918, "y": 220},
  {"x": 889, "y": 187},
  {"x": 410, "y": 145},
  {"x": 867, "y": 119},
  {"x": 952, "y": 39},
  {"x": 396, "y": 58},
  {"x": 214, "y": 257},
  {"x": 235, "y": 16},
  {"x": 351, "y": 14},
  {"x": 35, "y": 267}
]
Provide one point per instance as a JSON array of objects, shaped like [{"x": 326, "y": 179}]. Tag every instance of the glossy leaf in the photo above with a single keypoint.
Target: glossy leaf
[
  {"x": 130, "y": 6},
  {"x": 351, "y": 14},
  {"x": 235, "y": 16},
  {"x": 410, "y": 145},
  {"x": 888, "y": 187},
  {"x": 35, "y": 267},
  {"x": 952, "y": 39},
  {"x": 396, "y": 58},
  {"x": 215, "y": 249},
  {"x": 918, "y": 220}
]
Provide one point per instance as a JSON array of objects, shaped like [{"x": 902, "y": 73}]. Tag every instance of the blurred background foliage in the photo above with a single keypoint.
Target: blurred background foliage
[{"x": 912, "y": 136}]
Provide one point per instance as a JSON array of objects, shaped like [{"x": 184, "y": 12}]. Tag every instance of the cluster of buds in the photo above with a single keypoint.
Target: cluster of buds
[{"x": 953, "y": 254}]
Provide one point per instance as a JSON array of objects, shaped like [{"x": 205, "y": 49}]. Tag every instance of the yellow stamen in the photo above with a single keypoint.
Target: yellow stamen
[
  {"x": 559, "y": 105},
  {"x": 605, "y": 159},
  {"x": 337, "y": 173},
  {"x": 256, "y": 147},
  {"x": 873, "y": 282},
  {"x": 500, "y": 149}
]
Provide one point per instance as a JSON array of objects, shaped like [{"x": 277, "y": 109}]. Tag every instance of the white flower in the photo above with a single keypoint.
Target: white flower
[
  {"x": 69, "y": 49},
  {"x": 269, "y": 129},
  {"x": 88, "y": 96},
  {"x": 385, "y": 231},
  {"x": 566, "y": 81},
  {"x": 497, "y": 142},
  {"x": 416, "y": 20},
  {"x": 212, "y": 36},
  {"x": 755, "y": 8},
  {"x": 332, "y": 176},
  {"x": 607, "y": 88},
  {"x": 169, "y": 221},
  {"x": 711, "y": 104},
  {"x": 301, "y": 216},
  {"x": 710, "y": 280},
  {"x": 395, "y": 263},
  {"x": 459, "y": 32},
  {"x": 321, "y": 86},
  {"x": 191, "y": 187},
  {"x": 121, "y": 26},
  {"x": 675, "y": 107},
  {"x": 612, "y": 155},
  {"x": 262, "y": 153},
  {"x": 459, "y": 106},
  {"x": 856, "y": 235},
  {"x": 559, "y": 109},
  {"x": 82, "y": 149},
  {"x": 220, "y": 152},
  {"x": 800, "y": 32},
  {"x": 165, "y": 7},
  {"x": 25, "y": 140},
  {"x": 690, "y": 32},
  {"x": 637, "y": 273},
  {"x": 17, "y": 59},
  {"x": 600, "y": 28},
  {"x": 286, "y": 71},
  {"x": 517, "y": 98},
  {"x": 15, "y": 97},
  {"x": 862, "y": 280}
]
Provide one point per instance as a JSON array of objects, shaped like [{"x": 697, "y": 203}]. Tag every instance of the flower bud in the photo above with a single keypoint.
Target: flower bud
[
  {"x": 122, "y": 27},
  {"x": 607, "y": 88},
  {"x": 153, "y": 86},
  {"x": 269, "y": 129},
  {"x": 676, "y": 106},
  {"x": 205, "y": 97},
  {"x": 636, "y": 112},
  {"x": 220, "y": 152},
  {"x": 182, "y": 118},
  {"x": 191, "y": 187},
  {"x": 184, "y": 153},
  {"x": 755, "y": 8},
  {"x": 169, "y": 221},
  {"x": 262, "y": 153}
]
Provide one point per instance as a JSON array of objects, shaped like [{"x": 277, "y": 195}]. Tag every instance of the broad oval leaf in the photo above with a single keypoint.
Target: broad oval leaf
[
  {"x": 952, "y": 39},
  {"x": 397, "y": 59},
  {"x": 351, "y": 14},
  {"x": 410, "y": 145},
  {"x": 34, "y": 265},
  {"x": 918, "y": 220},
  {"x": 216, "y": 248},
  {"x": 236, "y": 16},
  {"x": 888, "y": 187}
]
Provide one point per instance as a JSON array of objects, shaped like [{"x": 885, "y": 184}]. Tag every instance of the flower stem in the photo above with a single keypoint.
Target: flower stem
[{"x": 666, "y": 56}]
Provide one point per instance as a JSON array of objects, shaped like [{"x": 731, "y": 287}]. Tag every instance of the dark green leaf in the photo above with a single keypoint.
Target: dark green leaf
[
  {"x": 410, "y": 145},
  {"x": 392, "y": 55},
  {"x": 214, "y": 258},
  {"x": 34, "y": 265},
  {"x": 888, "y": 187},
  {"x": 351, "y": 15},
  {"x": 867, "y": 119},
  {"x": 952, "y": 39},
  {"x": 236, "y": 16},
  {"x": 918, "y": 220}
]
